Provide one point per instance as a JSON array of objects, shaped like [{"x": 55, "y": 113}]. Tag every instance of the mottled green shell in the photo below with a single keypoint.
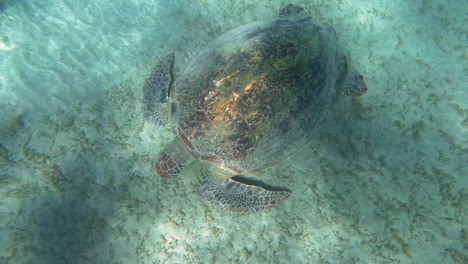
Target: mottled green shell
[{"x": 257, "y": 94}]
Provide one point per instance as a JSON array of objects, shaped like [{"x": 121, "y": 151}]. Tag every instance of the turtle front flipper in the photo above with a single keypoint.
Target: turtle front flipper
[
  {"x": 230, "y": 195},
  {"x": 354, "y": 84},
  {"x": 173, "y": 159},
  {"x": 156, "y": 92}
]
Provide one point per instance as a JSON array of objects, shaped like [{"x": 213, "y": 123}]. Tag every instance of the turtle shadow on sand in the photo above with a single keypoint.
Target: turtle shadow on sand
[
  {"x": 252, "y": 98},
  {"x": 60, "y": 227},
  {"x": 64, "y": 226}
]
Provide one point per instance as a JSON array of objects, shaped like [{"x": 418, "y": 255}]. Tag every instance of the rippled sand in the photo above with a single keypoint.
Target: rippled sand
[{"x": 384, "y": 182}]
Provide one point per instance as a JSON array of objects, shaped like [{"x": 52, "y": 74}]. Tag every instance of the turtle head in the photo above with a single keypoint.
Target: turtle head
[
  {"x": 292, "y": 11},
  {"x": 351, "y": 82},
  {"x": 354, "y": 84}
]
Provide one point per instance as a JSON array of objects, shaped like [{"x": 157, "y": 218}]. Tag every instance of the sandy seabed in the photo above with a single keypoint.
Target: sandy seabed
[{"x": 385, "y": 181}]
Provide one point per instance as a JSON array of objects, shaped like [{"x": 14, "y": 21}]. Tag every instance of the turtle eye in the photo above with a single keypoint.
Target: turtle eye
[{"x": 173, "y": 108}]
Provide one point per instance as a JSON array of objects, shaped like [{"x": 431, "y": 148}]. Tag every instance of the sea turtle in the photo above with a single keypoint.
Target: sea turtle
[{"x": 250, "y": 99}]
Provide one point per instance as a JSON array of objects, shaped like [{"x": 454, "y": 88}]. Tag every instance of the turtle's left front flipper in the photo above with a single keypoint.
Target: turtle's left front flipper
[
  {"x": 156, "y": 92},
  {"x": 230, "y": 195}
]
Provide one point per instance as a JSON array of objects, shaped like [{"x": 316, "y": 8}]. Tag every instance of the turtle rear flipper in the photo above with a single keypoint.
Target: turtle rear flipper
[
  {"x": 354, "y": 84},
  {"x": 230, "y": 195},
  {"x": 156, "y": 92}
]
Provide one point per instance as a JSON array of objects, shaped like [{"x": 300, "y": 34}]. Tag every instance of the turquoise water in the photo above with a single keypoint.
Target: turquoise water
[{"x": 384, "y": 182}]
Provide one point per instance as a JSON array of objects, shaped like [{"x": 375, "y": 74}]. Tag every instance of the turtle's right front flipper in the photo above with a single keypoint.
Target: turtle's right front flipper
[
  {"x": 230, "y": 195},
  {"x": 156, "y": 92}
]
